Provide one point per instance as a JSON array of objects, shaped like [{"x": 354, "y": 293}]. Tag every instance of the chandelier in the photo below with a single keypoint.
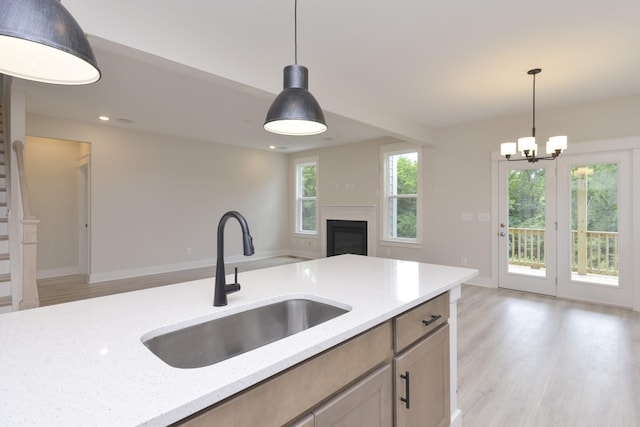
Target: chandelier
[{"x": 527, "y": 145}]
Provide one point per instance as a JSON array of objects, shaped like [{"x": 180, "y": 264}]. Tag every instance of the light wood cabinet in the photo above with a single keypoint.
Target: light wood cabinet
[
  {"x": 420, "y": 321},
  {"x": 367, "y": 403},
  {"x": 422, "y": 382},
  {"x": 287, "y": 396},
  {"x": 422, "y": 365}
]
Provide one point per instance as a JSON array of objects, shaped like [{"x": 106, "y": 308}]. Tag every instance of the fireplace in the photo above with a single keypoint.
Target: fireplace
[
  {"x": 362, "y": 213},
  {"x": 346, "y": 237}
]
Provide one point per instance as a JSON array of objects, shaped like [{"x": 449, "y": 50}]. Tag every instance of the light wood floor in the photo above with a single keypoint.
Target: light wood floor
[
  {"x": 530, "y": 360},
  {"x": 59, "y": 290}
]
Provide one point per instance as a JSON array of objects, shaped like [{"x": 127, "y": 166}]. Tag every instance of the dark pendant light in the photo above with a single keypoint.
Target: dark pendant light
[
  {"x": 41, "y": 41},
  {"x": 295, "y": 111}
]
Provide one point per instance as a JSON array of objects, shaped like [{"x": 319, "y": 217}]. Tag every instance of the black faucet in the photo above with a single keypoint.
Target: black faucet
[{"x": 222, "y": 289}]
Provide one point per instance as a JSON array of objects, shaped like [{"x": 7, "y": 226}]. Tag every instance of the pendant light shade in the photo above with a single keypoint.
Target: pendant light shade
[
  {"x": 295, "y": 111},
  {"x": 41, "y": 41}
]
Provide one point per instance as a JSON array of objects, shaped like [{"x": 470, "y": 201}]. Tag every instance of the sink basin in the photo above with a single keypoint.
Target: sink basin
[{"x": 219, "y": 339}]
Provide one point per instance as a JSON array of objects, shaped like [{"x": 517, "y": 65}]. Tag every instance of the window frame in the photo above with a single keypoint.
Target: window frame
[
  {"x": 386, "y": 152},
  {"x": 299, "y": 164}
]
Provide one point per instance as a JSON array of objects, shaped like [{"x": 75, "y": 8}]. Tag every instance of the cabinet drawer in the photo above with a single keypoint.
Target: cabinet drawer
[{"x": 416, "y": 323}]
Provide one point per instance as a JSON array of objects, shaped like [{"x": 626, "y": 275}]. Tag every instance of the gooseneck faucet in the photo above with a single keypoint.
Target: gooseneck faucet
[{"x": 221, "y": 288}]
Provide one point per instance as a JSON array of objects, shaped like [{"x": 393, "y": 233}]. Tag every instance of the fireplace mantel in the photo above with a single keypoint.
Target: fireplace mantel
[{"x": 350, "y": 213}]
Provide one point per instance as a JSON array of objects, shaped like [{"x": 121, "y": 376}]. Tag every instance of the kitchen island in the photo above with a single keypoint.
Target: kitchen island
[{"x": 83, "y": 363}]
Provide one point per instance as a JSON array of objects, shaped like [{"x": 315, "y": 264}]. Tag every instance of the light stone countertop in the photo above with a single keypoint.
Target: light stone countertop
[{"x": 83, "y": 363}]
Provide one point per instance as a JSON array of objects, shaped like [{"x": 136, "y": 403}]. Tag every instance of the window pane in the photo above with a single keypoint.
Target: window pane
[
  {"x": 403, "y": 173},
  {"x": 527, "y": 223},
  {"x": 308, "y": 181},
  {"x": 402, "y": 218},
  {"x": 308, "y": 215},
  {"x": 594, "y": 221}
]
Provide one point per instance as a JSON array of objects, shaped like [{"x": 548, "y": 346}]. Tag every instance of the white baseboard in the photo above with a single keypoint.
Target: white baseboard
[
  {"x": 57, "y": 272},
  {"x": 170, "y": 268},
  {"x": 456, "y": 419},
  {"x": 485, "y": 282},
  {"x": 305, "y": 254}
]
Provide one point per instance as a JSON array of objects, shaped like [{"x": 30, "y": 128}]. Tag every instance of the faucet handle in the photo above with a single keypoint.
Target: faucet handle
[{"x": 234, "y": 287}]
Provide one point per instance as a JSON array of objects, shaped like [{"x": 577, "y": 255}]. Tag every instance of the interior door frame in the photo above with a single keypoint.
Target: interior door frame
[{"x": 84, "y": 214}]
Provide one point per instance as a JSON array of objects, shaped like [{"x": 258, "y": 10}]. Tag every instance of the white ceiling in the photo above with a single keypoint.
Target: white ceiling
[{"x": 208, "y": 70}]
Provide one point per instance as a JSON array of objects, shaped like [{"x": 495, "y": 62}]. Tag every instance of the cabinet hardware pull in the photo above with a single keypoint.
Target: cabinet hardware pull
[
  {"x": 405, "y": 377},
  {"x": 433, "y": 319}
]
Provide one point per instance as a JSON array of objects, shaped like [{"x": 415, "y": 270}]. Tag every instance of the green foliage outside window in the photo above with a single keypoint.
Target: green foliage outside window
[
  {"x": 527, "y": 198},
  {"x": 405, "y": 208},
  {"x": 602, "y": 198},
  {"x": 309, "y": 177},
  {"x": 307, "y": 197}
]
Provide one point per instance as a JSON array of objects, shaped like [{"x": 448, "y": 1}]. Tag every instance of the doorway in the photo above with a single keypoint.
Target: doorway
[
  {"x": 58, "y": 173},
  {"x": 565, "y": 227}
]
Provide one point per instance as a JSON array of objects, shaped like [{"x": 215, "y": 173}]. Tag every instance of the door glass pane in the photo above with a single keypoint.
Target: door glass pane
[
  {"x": 594, "y": 223},
  {"x": 527, "y": 207}
]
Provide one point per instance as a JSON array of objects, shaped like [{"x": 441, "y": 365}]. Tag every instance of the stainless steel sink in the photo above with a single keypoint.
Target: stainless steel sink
[{"x": 219, "y": 339}]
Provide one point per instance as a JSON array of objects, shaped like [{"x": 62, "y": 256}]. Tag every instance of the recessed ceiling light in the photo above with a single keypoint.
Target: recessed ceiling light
[
  {"x": 104, "y": 118},
  {"x": 273, "y": 147},
  {"x": 125, "y": 121}
]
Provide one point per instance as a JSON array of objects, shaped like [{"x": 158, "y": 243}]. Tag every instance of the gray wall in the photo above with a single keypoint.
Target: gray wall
[
  {"x": 457, "y": 177},
  {"x": 156, "y": 200}
]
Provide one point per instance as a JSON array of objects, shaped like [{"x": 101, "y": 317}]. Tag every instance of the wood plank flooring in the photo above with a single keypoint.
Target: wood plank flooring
[
  {"x": 528, "y": 360},
  {"x": 59, "y": 290}
]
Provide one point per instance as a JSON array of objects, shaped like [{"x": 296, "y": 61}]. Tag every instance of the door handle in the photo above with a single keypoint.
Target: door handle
[
  {"x": 433, "y": 318},
  {"x": 501, "y": 234},
  {"x": 405, "y": 377}
]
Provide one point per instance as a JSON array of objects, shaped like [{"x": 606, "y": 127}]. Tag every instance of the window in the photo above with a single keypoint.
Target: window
[
  {"x": 306, "y": 196},
  {"x": 401, "y": 192}
]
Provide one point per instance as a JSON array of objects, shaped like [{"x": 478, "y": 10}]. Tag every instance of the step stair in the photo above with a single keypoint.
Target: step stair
[{"x": 5, "y": 270}]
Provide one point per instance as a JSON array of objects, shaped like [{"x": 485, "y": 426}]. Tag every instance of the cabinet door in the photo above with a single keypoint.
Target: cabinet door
[
  {"x": 367, "y": 403},
  {"x": 307, "y": 421},
  {"x": 422, "y": 382}
]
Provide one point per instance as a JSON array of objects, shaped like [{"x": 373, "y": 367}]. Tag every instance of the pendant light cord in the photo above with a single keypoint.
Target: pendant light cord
[
  {"x": 295, "y": 32},
  {"x": 533, "y": 129}
]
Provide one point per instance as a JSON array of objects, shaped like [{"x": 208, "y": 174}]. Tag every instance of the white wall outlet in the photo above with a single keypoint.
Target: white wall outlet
[
  {"x": 463, "y": 261},
  {"x": 188, "y": 251},
  {"x": 466, "y": 216}
]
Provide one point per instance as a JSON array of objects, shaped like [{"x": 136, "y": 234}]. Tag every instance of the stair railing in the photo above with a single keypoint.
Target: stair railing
[
  {"x": 7, "y": 155},
  {"x": 29, "y": 242}
]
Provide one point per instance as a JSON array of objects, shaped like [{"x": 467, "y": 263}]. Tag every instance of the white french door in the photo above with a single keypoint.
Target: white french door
[
  {"x": 594, "y": 227},
  {"x": 565, "y": 227},
  {"x": 527, "y": 227}
]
